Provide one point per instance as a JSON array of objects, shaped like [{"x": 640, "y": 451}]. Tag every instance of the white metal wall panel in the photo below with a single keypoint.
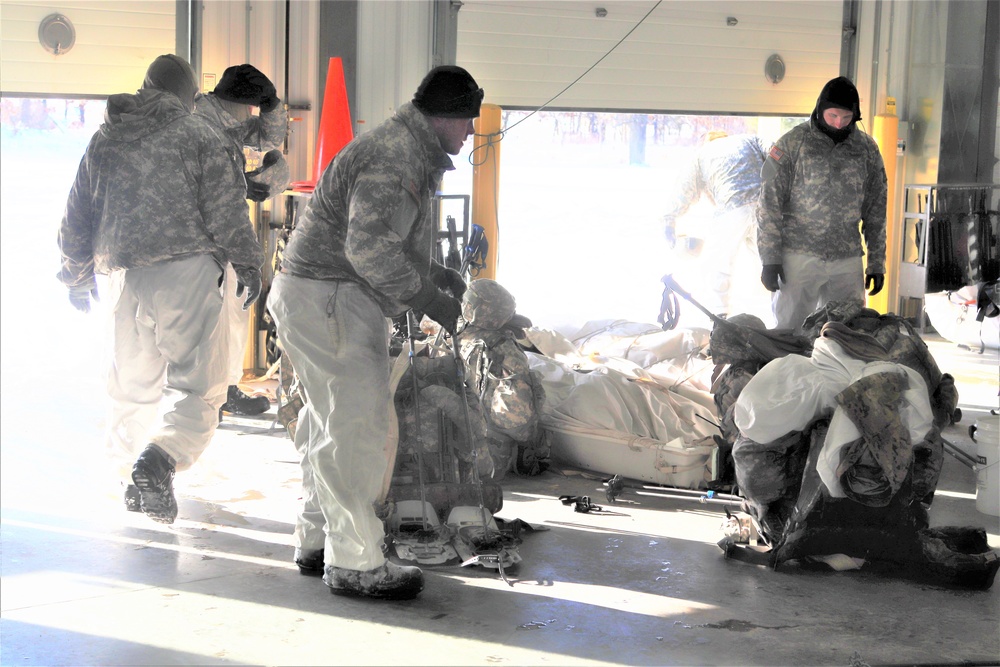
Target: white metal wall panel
[
  {"x": 236, "y": 32},
  {"x": 224, "y": 42},
  {"x": 394, "y": 54},
  {"x": 115, "y": 42},
  {"x": 682, "y": 58}
]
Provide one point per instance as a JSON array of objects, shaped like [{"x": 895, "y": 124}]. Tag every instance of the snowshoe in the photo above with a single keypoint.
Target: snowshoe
[
  {"x": 491, "y": 548},
  {"x": 412, "y": 540}
]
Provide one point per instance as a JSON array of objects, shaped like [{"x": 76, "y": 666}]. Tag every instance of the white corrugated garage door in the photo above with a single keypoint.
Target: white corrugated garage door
[
  {"x": 683, "y": 58},
  {"x": 115, "y": 42}
]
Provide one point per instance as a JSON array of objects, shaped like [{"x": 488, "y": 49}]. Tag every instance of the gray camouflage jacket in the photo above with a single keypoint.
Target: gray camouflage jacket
[
  {"x": 369, "y": 219},
  {"x": 814, "y": 194},
  {"x": 155, "y": 184},
  {"x": 726, "y": 169},
  {"x": 263, "y": 132}
]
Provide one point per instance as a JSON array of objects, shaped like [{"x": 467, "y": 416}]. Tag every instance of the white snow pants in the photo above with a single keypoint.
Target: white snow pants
[
  {"x": 237, "y": 326},
  {"x": 167, "y": 375},
  {"x": 337, "y": 338},
  {"x": 810, "y": 283}
]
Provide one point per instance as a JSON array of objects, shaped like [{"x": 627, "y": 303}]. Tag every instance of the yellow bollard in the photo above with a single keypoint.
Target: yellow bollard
[
  {"x": 886, "y": 134},
  {"x": 486, "y": 183}
]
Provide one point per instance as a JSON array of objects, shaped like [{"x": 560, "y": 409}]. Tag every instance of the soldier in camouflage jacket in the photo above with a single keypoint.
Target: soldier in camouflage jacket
[
  {"x": 361, "y": 252},
  {"x": 819, "y": 180},
  {"x": 158, "y": 205},
  {"x": 227, "y": 109}
]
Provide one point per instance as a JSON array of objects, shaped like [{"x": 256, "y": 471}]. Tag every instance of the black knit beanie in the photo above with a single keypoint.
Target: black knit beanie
[
  {"x": 244, "y": 84},
  {"x": 174, "y": 75},
  {"x": 448, "y": 91}
]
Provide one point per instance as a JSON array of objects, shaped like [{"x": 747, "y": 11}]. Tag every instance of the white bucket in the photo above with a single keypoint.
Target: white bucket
[{"x": 987, "y": 437}]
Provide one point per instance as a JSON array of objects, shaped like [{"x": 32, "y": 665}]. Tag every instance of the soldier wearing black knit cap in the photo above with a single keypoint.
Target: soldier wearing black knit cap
[
  {"x": 361, "y": 253},
  {"x": 820, "y": 180},
  {"x": 228, "y": 108}
]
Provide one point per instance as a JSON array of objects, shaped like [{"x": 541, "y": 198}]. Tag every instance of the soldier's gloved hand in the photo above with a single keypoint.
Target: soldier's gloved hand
[
  {"x": 770, "y": 276},
  {"x": 258, "y": 192},
  {"x": 445, "y": 310},
  {"x": 248, "y": 279},
  {"x": 80, "y": 295},
  {"x": 269, "y": 103},
  {"x": 670, "y": 233},
  {"x": 268, "y": 99},
  {"x": 451, "y": 280},
  {"x": 874, "y": 283}
]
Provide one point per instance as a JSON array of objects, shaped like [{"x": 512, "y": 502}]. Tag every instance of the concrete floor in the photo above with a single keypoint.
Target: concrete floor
[{"x": 85, "y": 583}]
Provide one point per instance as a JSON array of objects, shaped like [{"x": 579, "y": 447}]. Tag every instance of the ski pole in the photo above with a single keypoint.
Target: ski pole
[
  {"x": 411, "y": 335},
  {"x": 669, "y": 282}
]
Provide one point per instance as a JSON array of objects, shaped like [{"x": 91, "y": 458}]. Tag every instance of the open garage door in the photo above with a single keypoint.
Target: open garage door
[{"x": 698, "y": 56}]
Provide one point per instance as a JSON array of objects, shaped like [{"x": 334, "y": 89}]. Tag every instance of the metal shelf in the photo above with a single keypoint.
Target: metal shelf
[{"x": 922, "y": 206}]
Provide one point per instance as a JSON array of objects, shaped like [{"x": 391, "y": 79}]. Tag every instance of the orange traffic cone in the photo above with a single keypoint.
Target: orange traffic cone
[{"x": 335, "y": 129}]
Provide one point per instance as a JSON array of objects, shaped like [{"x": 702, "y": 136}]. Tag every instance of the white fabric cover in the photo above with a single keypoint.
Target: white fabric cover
[
  {"x": 953, "y": 315},
  {"x": 789, "y": 393},
  {"x": 600, "y": 387}
]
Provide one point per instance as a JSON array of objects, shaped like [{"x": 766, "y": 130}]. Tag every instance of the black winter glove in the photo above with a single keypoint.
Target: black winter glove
[
  {"x": 248, "y": 278},
  {"x": 770, "y": 276},
  {"x": 874, "y": 282},
  {"x": 445, "y": 310},
  {"x": 257, "y": 192},
  {"x": 269, "y": 103},
  {"x": 451, "y": 280}
]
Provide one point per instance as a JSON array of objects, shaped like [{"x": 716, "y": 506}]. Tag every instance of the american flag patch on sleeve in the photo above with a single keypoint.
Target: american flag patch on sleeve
[{"x": 775, "y": 153}]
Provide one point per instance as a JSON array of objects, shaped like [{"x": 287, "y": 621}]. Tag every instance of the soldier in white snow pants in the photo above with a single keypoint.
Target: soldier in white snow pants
[{"x": 337, "y": 338}]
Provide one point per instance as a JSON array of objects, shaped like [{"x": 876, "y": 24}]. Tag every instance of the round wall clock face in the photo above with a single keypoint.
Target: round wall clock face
[{"x": 56, "y": 34}]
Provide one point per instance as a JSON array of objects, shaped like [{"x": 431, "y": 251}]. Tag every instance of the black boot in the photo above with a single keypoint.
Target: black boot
[
  {"x": 153, "y": 474},
  {"x": 309, "y": 561},
  {"x": 239, "y": 403}
]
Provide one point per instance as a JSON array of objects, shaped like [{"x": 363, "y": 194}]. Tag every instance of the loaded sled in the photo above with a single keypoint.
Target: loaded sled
[{"x": 441, "y": 497}]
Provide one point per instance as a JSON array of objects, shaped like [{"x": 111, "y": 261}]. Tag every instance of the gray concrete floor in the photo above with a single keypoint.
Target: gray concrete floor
[{"x": 85, "y": 583}]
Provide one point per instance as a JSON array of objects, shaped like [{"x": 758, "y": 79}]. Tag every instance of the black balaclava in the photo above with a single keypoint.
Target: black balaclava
[
  {"x": 173, "y": 74},
  {"x": 838, "y": 93},
  {"x": 448, "y": 91}
]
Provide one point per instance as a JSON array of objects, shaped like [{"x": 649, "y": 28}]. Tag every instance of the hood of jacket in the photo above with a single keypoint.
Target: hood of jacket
[
  {"x": 838, "y": 93},
  {"x": 130, "y": 117}
]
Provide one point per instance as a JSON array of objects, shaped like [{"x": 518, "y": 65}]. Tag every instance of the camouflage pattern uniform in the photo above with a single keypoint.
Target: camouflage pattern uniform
[
  {"x": 158, "y": 204},
  {"x": 813, "y": 195},
  {"x": 359, "y": 253},
  {"x": 264, "y": 132},
  {"x": 497, "y": 367},
  {"x": 261, "y": 133}
]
